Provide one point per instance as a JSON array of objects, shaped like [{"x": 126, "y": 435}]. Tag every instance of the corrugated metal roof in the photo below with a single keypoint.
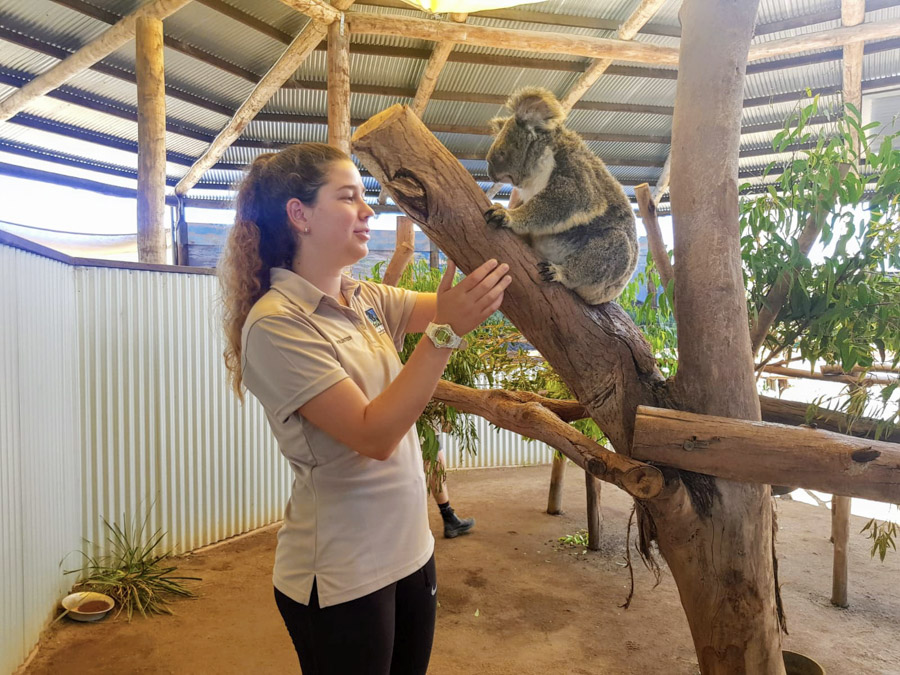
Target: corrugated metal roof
[{"x": 232, "y": 42}]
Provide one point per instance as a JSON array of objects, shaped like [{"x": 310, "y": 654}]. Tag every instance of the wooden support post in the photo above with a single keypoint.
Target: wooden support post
[
  {"x": 434, "y": 255},
  {"x": 404, "y": 251},
  {"x": 840, "y": 534},
  {"x": 775, "y": 454},
  {"x": 557, "y": 480},
  {"x": 109, "y": 41},
  {"x": 151, "y": 174},
  {"x": 594, "y": 515},
  {"x": 339, "y": 86},
  {"x": 853, "y": 13}
]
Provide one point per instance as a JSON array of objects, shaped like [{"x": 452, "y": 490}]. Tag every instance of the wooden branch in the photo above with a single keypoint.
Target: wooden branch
[
  {"x": 271, "y": 82},
  {"x": 151, "y": 169},
  {"x": 654, "y": 234},
  {"x": 338, "y": 64},
  {"x": 430, "y": 185},
  {"x": 626, "y": 31},
  {"x": 776, "y": 454},
  {"x": 403, "y": 251},
  {"x": 110, "y": 40},
  {"x": 777, "y": 295},
  {"x": 835, "y": 37},
  {"x": 662, "y": 185},
  {"x": 534, "y": 421},
  {"x": 828, "y": 377},
  {"x": 524, "y": 40},
  {"x": 315, "y": 10}
]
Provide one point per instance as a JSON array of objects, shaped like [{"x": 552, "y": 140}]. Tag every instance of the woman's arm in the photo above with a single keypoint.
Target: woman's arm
[
  {"x": 423, "y": 313},
  {"x": 374, "y": 428}
]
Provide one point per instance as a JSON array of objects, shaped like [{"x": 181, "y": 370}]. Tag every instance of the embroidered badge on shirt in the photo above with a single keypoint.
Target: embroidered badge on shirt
[{"x": 373, "y": 317}]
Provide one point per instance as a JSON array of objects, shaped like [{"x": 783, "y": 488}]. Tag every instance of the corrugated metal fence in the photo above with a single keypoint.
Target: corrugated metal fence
[{"x": 114, "y": 405}]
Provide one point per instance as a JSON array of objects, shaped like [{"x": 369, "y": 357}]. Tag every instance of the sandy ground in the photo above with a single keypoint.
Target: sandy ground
[{"x": 512, "y": 599}]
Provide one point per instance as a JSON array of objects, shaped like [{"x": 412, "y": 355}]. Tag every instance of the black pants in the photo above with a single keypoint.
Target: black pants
[{"x": 388, "y": 632}]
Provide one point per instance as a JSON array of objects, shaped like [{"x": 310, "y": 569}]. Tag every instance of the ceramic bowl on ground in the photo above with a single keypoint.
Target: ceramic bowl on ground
[
  {"x": 798, "y": 664},
  {"x": 88, "y": 606}
]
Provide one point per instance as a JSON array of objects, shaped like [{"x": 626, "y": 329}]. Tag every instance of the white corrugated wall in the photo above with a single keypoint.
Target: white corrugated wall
[
  {"x": 40, "y": 472},
  {"x": 114, "y": 404}
]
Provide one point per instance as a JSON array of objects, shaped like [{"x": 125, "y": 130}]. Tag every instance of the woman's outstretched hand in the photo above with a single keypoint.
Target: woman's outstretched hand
[{"x": 473, "y": 299}]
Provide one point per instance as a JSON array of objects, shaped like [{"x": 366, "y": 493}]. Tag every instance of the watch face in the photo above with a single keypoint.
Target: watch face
[{"x": 443, "y": 336}]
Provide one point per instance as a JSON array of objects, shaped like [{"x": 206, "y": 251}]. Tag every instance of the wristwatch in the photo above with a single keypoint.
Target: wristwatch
[{"x": 443, "y": 337}]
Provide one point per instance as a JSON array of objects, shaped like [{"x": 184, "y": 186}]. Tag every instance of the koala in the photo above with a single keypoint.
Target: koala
[{"x": 573, "y": 213}]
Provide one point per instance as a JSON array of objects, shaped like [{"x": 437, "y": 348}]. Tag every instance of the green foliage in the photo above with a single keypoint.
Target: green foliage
[
  {"x": 579, "y": 539},
  {"x": 845, "y": 309},
  {"x": 132, "y": 573},
  {"x": 883, "y": 536},
  {"x": 655, "y": 316}
]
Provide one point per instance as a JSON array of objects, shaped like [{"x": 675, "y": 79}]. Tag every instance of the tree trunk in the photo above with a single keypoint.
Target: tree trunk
[
  {"x": 724, "y": 567},
  {"x": 151, "y": 178},
  {"x": 594, "y": 515},
  {"x": 557, "y": 480}
]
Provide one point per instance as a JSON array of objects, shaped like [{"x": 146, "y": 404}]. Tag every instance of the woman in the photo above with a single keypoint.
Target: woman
[{"x": 354, "y": 569}]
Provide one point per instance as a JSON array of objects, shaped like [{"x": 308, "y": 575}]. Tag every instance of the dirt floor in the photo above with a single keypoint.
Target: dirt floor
[{"x": 512, "y": 599}]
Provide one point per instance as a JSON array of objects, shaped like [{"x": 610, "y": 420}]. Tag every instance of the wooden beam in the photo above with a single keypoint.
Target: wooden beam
[
  {"x": 338, "y": 66},
  {"x": 151, "y": 170},
  {"x": 859, "y": 380},
  {"x": 287, "y": 63},
  {"x": 835, "y": 37},
  {"x": 84, "y": 58},
  {"x": 853, "y": 13},
  {"x": 525, "y": 40},
  {"x": 760, "y": 452},
  {"x": 315, "y": 10},
  {"x": 626, "y": 31}
]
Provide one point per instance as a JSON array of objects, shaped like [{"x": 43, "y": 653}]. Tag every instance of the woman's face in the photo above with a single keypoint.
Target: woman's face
[{"x": 339, "y": 221}]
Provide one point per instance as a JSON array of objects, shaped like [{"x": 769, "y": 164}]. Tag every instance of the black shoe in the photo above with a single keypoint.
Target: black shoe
[{"x": 455, "y": 526}]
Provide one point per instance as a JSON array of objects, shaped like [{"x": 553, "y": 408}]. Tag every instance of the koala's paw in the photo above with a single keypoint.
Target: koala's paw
[
  {"x": 550, "y": 272},
  {"x": 497, "y": 216}
]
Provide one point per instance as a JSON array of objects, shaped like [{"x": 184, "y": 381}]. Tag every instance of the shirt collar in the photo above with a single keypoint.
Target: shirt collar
[{"x": 304, "y": 294}]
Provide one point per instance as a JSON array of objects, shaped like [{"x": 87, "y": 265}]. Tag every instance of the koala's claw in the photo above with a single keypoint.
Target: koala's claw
[
  {"x": 497, "y": 216},
  {"x": 546, "y": 271}
]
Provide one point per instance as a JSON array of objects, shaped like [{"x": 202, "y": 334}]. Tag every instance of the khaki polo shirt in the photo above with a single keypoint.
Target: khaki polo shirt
[{"x": 353, "y": 523}]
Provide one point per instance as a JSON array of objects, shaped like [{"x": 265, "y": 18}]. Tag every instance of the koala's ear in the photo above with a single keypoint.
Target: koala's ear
[
  {"x": 496, "y": 124},
  {"x": 536, "y": 108}
]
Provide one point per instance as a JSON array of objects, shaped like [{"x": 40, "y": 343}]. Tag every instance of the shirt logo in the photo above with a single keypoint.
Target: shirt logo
[
  {"x": 345, "y": 339},
  {"x": 373, "y": 317}
]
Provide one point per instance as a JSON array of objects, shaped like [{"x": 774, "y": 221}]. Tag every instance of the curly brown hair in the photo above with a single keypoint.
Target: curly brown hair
[{"x": 262, "y": 236}]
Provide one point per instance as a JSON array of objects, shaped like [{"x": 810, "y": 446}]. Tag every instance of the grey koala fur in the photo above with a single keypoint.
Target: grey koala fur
[{"x": 574, "y": 214}]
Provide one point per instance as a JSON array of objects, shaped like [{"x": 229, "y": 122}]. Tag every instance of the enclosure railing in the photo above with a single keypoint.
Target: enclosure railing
[{"x": 114, "y": 405}]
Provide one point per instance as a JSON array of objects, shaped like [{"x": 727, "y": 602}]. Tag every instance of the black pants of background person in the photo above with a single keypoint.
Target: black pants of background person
[{"x": 388, "y": 632}]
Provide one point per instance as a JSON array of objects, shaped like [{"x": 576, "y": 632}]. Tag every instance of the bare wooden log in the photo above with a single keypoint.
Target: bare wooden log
[
  {"x": 853, "y": 13},
  {"x": 404, "y": 251},
  {"x": 662, "y": 184},
  {"x": 834, "y": 37},
  {"x": 533, "y": 420},
  {"x": 557, "y": 481},
  {"x": 626, "y": 31},
  {"x": 109, "y": 41},
  {"x": 306, "y": 40},
  {"x": 761, "y": 452},
  {"x": 781, "y": 411},
  {"x": 151, "y": 173},
  {"x": 840, "y": 534},
  {"x": 654, "y": 234},
  {"x": 316, "y": 10},
  {"x": 338, "y": 58},
  {"x": 777, "y": 295},
  {"x": 524, "y": 40},
  {"x": 594, "y": 514}
]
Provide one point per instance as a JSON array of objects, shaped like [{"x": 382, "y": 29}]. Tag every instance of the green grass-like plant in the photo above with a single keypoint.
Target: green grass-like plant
[{"x": 133, "y": 574}]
